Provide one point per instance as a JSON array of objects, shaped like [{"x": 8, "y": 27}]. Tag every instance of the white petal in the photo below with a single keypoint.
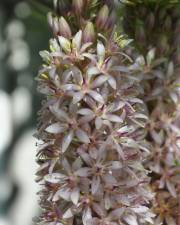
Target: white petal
[
  {"x": 93, "y": 71},
  {"x": 64, "y": 194},
  {"x": 77, "y": 97},
  {"x": 120, "y": 69},
  {"x": 68, "y": 214},
  {"x": 98, "y": 123},
  {"x": 95, "y": 95},
  {"x": 95, "y": 184},
  {"x": 55, "y": 128},
  {"x": 99, "y": 81},
  {"x": 54, "y": 178},
  {"x": 75, "y": 195},
  {"x": 86, "y": 215},
  {"x": 85, "y": 111},
  {"x": 76, "y": 42},
  {"x": 65, "y": 44},
  {"x": 131, "y": 220},
  {"x": 112, "y": 82},
  {"x": 67, "y": 140},
  {"x": 100, "y": 51},
  {"x": 66, "y": 165},
  {"x": 82, "y": 136}
]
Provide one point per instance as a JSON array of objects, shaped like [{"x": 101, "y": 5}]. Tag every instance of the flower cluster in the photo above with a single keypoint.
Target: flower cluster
[{"x": 92, "y": 128}]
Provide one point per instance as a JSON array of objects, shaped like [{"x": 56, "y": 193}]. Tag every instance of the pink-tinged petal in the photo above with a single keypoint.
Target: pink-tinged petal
[
  {"x": 112, "y": 82},
  {"x": 140, "y": 116},
  {"x": 83, "y": 172},
  {"x": 67, "y": 140},
  {"x": 90, "y": 56},
  {"x": 85, "y": 111},
  {"x": 55, "y": 128},
  {"x": 77, "y": 164},
  {"x": 93, "y": 71},
  {"x": 96, "y": 96},
  {"x": 70, "y": 87},
  {"x": 75, "y": 195},
  {"x": 117, "y": 213},
  {"x": 77, "y": 97},
  {"x": 114, "y": 118},
  {"x": 98, "y": 123},
  {"x": 60, "y": 114},
  {"x": 65, "y": 44},
  {"x": 82, "y": 136},
  {"x": 99, "y": 81},
  {"x": 119, "y": 149},
  {"x": 54, "y": 178},
  {"x": 86, "y": 119},
  {"x": 76, "y": 41},
  {"x": 95, "y": 184},
  {"x": 171, "y": 188},
  {"x": 87, "y": 215},
  {"x": 130, "y": 219},
  {"x": 68, "y": 214}
]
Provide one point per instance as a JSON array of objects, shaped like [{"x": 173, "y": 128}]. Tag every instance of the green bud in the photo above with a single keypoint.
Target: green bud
[
  {"x": 64, "y": 28},
  {"x": 50, "y": 19},
  {"x": 102, "y": 17},
  {"x": 78, "y": 6},
  {"x": 89, "y": 33},
  {"x": 55, "y": 25}
]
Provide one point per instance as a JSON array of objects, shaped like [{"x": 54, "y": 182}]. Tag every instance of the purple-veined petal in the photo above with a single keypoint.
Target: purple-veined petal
[
  {"x": 75, "y": 195},
  {"x": 55, "y": 128},
  {"x": 99, "y": 81},
  {"x": 112, "y": 82},
  {"x": 65, "y": 44},
  {"x": 85, "y": 111},
  {"x": 67, "y": 140},
  {"x": 77, "y": 97},
  {"x": 96, "y": 96},
  {"x": 114, "y": 118},
  {"x": 82, "y": 136},
  {"x": 95, "y": 184},
  {"x": 70, "y": 87},
  {"x": 76, "y": 41}
]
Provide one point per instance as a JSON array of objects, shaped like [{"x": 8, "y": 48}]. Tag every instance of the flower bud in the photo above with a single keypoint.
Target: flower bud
[
  {"x": 55, "y": 26},
  {"x": 150, "y": 20},
  {"x": 78, "y": 6},
  {"x": 89, "y": 33},
  {"x": 50, "y": 19},
  {"x": 140, "y": 34},
  {"x": 111, "y": 21},
  {"x": 64, "y": 28},
  {"x": 102, "y": 17}
]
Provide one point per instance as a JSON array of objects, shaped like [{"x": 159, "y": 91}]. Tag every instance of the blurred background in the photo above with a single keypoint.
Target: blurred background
[{"x": 23, "y": 32}]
